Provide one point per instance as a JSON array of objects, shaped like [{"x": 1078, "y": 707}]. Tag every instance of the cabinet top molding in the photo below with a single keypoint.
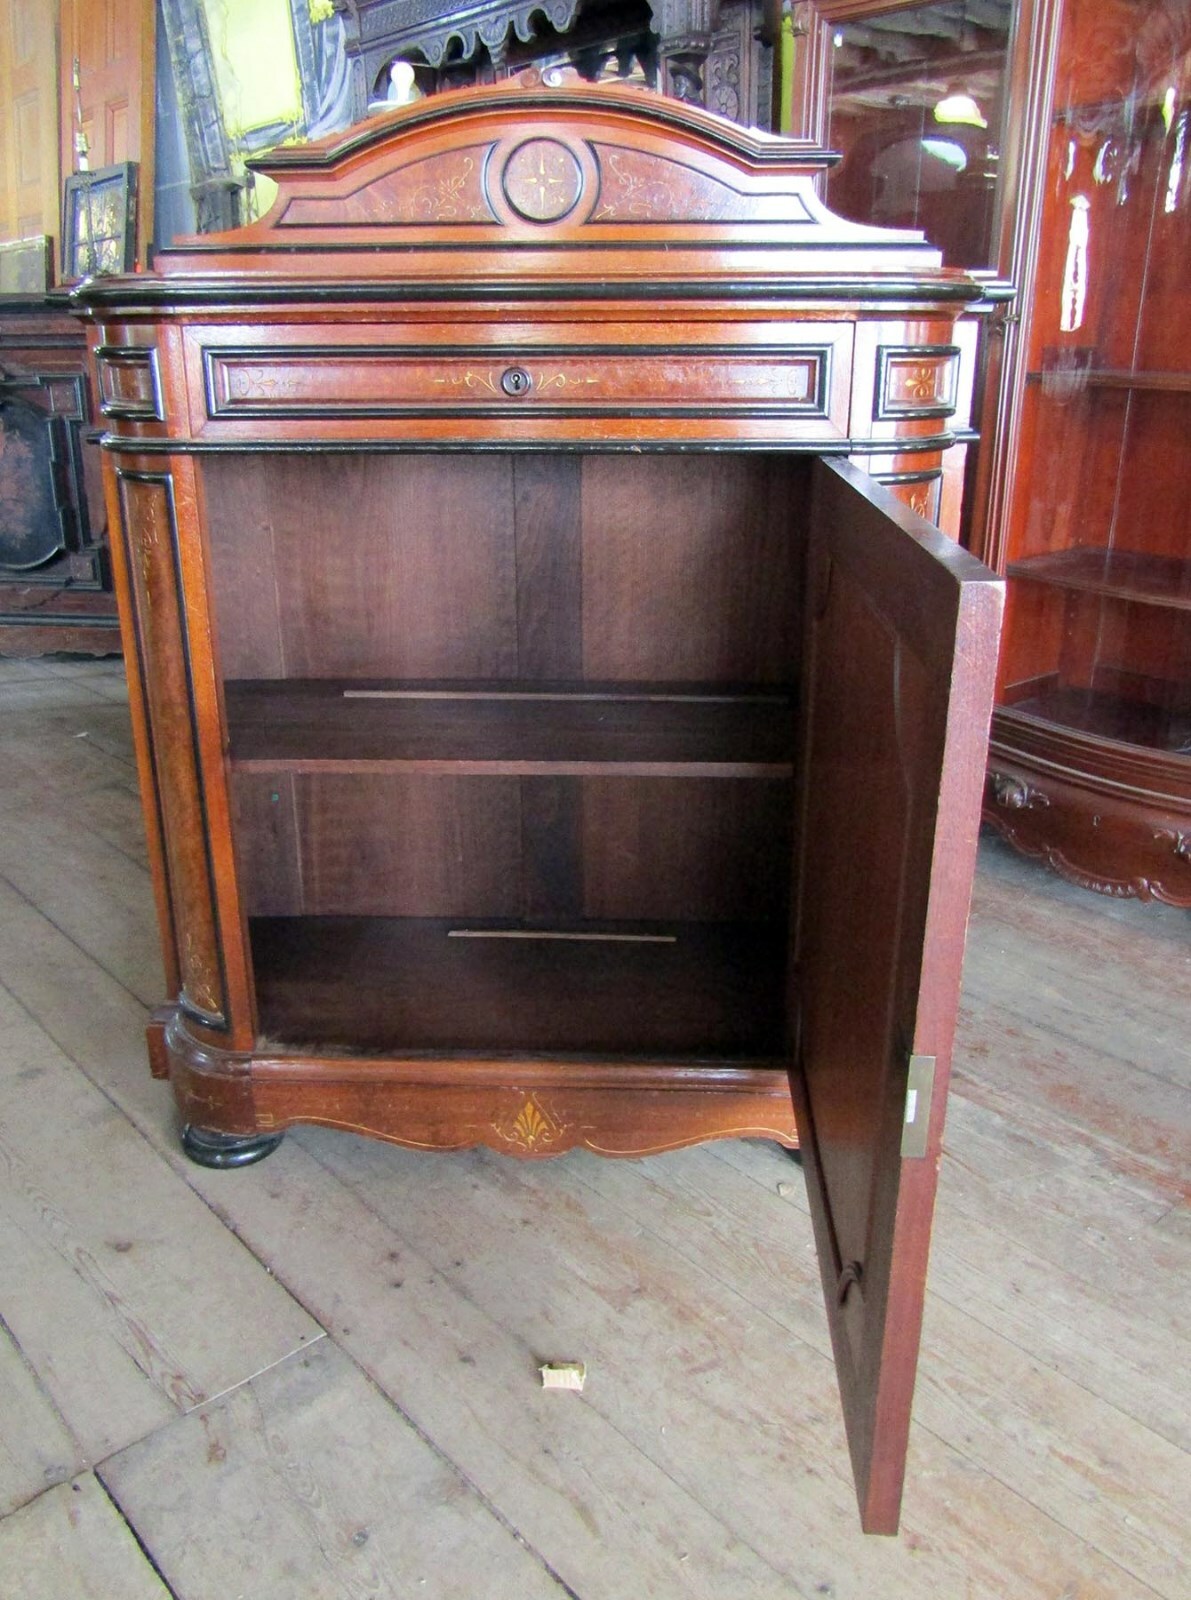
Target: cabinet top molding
[{"x": 527, "y": 192}]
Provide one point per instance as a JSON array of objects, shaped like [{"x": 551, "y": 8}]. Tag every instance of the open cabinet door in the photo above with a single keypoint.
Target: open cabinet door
[{"x": 900, "y": 652}]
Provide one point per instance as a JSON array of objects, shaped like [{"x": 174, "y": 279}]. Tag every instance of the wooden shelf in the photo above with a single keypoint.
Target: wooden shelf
[
  {"x": 1119, "y": 378},
  {"x": 1121, "y": 574},
  {"x": 1109, "y": 716},
  {"x": 690, "y": 990},
  {"x": 523, "y": 730}
]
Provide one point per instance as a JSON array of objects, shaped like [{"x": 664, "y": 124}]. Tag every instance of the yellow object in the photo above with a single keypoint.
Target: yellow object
[
  {"x": 786, "y": 73},
  {"x": 564, "y": 1375},
  {"x": 256, "y": 64}
]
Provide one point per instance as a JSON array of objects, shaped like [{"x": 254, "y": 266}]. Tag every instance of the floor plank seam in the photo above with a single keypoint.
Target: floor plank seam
[
  {"x": 1132, "y": 1165},
  {"x": 86, "y": 954},
  {"x": 79, "y": 821},
  {"x": 963, "y": 1310},
  {"x": 448, "y": 1461},
  {"x": 49, "y": 1400},
  {"x": 1088, "y": 1544},
  {"x": 362, "y": 1198},
  {"x": 182, "y": 1177},
  {"x": 439, "y": 1452},
  {"x": 79, "y": 680},
  {"x": 442, "y": 1455},
  {"x": 1076, "y": 1046},
  {"x": 173, "y": 1593},
  {"x": 945, "y": 1443}
]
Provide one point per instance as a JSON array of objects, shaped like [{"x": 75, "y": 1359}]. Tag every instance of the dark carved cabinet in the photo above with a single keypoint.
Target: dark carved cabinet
[
  {"x": 55, "y": 586},
  {"x": 549, "y": 736},
  {"x": 715, "y": 53}
]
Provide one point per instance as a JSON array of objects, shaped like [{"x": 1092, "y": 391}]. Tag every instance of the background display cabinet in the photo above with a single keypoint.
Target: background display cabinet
[
  {"x": 55, "y": 582},
  {"x": 548, "y": 736},
  {"x": 1090, "y": 764}
]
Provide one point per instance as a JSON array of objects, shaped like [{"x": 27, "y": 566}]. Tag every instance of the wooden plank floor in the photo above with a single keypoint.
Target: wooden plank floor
[{"x": 317, "y": 1377}]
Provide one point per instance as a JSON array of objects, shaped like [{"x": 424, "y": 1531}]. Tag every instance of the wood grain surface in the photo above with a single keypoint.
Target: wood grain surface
[{"x": 1048, "y": 1455}]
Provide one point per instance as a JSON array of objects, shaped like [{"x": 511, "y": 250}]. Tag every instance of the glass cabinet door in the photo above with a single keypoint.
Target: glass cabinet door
[
  {"x": 1099, "y": 629},
  {"x": 916, "y": 108}
]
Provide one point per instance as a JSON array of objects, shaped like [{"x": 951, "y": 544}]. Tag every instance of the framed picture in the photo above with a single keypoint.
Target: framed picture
[
  {"x": 26, "y": 265},
  {"x": 99, "y": 221}
]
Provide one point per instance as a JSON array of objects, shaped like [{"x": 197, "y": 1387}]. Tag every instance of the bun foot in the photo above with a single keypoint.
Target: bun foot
[{"x": 210, "y": 1149}]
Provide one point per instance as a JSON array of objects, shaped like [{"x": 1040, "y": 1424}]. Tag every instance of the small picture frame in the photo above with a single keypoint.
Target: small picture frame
[
  {"x": 99, "y": 221},
  {"x": 26, "y": 265}
]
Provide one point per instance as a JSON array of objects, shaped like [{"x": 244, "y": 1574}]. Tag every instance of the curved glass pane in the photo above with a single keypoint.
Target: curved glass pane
[{"x": 1099, "y": 631}]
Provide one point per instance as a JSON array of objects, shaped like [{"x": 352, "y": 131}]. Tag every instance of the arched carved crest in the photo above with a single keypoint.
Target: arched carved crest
[{"x": 498, "y": 184}]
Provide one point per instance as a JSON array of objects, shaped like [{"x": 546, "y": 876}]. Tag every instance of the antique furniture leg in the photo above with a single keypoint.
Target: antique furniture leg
[{"x": 207, "y": 1148}]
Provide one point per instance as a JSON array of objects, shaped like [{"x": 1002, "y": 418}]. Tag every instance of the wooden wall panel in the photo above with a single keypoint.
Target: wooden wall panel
[
  {"x": 114, "y": 43},
  {"x": 29, "y": 178}
]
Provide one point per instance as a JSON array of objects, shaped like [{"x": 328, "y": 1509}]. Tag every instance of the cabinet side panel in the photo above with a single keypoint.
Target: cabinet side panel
[{"x": 149, "y": 524}]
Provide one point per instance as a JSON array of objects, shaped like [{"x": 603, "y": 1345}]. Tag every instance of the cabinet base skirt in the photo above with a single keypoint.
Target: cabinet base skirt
[{"x": 529, "y": 1108}]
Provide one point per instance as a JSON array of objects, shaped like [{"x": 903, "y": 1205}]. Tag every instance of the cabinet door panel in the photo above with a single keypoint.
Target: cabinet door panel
[{"x": 901, "y": 640}]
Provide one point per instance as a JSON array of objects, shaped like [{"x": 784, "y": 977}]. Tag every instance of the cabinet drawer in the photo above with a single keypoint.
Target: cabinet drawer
[{"x": 802, "y": 381}]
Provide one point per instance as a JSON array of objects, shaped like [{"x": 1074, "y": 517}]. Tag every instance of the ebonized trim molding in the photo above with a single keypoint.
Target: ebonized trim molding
[
  {"x": 813, "y": 447},
  {"x": 840, "y": 294}
]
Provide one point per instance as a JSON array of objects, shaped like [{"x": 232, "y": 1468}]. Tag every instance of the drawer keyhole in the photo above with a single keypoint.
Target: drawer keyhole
[{"x": 515, "y": 381}]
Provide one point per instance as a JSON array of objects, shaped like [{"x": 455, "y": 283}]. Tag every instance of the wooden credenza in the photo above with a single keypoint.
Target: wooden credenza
[{"x": 549, "y": 736}]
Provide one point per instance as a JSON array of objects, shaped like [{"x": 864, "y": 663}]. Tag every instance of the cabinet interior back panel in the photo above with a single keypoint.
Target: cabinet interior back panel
[
  {"x": 685, "y": 849},
  {"x": 398, "y": 567},
  {"x": 702, "y": 585},
  {"x": 670, "y": 568},
  {"x": 569, "y": 850}
]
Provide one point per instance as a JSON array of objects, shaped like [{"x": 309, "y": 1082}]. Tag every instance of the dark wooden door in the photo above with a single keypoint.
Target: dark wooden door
[{"x": 901, "y": 641}]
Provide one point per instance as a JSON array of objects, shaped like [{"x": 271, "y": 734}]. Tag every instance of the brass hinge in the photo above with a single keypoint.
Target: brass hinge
[{"x": 920, "y": 1084}]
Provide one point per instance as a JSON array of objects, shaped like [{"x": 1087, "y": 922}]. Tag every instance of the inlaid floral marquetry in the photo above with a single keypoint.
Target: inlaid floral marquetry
[
  {"x": 439, "y": 189},
  {"x": 378, "y": 381},
  {"x": 531, "y": 1128},
  {"x": 916, "y": 383},
  {"x": 922, "y": 492},
  {"x": 542, "y": 180},
  {"x": 636, "y": 186},
  {"x": 491, "y": 382}
]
